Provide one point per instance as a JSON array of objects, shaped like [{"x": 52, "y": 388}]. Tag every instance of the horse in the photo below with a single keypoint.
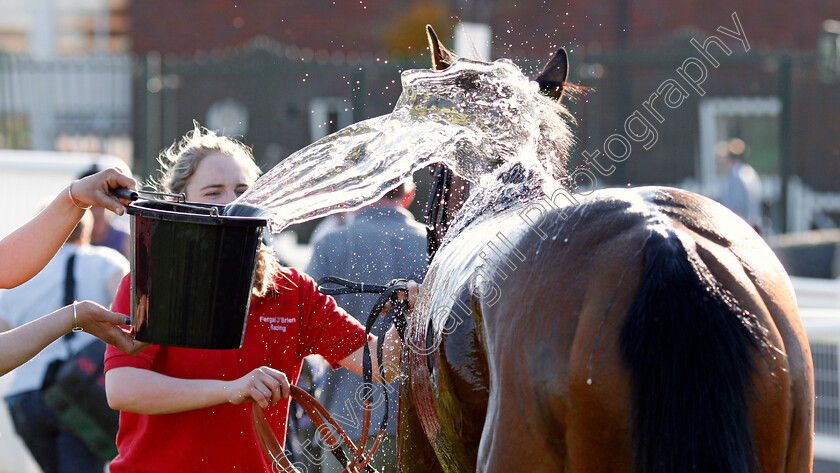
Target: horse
[{"x": 637, "y": 330}]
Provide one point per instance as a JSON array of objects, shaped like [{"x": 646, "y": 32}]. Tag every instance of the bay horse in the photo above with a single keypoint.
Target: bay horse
[{"x": 638, "y": 330}]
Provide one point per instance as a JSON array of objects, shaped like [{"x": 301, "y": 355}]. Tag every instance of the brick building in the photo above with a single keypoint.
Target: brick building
[{"x": 333, "y": 62}]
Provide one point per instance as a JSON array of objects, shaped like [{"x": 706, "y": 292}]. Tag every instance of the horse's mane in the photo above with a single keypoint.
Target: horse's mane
[
  {"x": 555, "y": 139},
  {"x": 510, "y": 185}
]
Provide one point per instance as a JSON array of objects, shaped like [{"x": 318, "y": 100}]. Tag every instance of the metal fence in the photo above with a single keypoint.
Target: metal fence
[
  {"x": 68, "y": 102},
  {"x": 641, "y": 109}
]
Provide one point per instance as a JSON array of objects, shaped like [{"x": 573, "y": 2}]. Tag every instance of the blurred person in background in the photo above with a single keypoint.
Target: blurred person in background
[
  {"x": 26, "y": 251},
  {"x": 741, "y": 188},
  {"x": 330, "y": 223},
  {"x": 380, "y": 243}
]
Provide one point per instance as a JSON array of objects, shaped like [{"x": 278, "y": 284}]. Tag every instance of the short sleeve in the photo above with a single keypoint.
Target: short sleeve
[
  {"x": 114, "y": 358},
  {"x": 329, "y": 331}
]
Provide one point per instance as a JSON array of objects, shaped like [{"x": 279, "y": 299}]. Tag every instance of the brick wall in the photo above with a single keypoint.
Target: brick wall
[
  {"x": 528, "y": 30},
  {"x": 186, "y": 26}
]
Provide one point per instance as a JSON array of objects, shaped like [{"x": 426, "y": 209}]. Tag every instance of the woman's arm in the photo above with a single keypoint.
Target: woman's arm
[
  {"x": 29, "y": 248},
  {"x": 390, "y": 357},
  {"x": 148, "y": 392},
  {"x": 19, "y": 345}
]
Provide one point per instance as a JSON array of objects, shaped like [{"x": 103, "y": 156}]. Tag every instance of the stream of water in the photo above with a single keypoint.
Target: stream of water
[{"x": 473, "y": 116}]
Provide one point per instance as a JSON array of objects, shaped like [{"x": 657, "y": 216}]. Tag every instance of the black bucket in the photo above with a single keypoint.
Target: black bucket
[{"x": 192, "y": 270}]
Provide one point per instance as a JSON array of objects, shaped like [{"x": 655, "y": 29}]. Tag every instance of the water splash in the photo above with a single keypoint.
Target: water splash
[{"x": 473, "y": 117}]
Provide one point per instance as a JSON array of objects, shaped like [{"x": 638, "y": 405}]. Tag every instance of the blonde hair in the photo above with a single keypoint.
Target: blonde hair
[
  {"x": 179, "y": 161},
  {"x": 178, "y": 164}
]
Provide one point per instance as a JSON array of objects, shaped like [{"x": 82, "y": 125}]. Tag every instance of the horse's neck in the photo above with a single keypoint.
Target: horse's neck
[{"x": 509, "y": 188}]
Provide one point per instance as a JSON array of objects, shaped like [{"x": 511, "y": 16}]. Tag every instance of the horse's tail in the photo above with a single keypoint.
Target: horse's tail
[{"x": 688, "y": 346}]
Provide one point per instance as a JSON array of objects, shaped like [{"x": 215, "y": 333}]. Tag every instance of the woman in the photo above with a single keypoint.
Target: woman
[
  {"x": 184, "y": 409},
  {"x": 28, "y": 249}
]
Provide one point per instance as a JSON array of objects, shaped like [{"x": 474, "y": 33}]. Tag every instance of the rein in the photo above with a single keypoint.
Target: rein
[{"x": 317, "y": 413}]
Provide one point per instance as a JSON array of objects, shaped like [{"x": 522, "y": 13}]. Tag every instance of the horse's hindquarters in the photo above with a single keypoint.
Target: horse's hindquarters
[{"x": 713, "y": 353}]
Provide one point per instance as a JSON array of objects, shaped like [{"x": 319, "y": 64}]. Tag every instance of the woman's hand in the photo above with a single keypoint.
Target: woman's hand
[
  {"x": 104, "y": 324},
  {"x": 413, "y": 290},
  {"x": 264, "y": 385},
  {"x": 400, "y": 322},
  {"x": 98, "y": 188}
]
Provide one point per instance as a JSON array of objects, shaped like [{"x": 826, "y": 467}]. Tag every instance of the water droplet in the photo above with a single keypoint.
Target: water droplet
[{"x": 589, "y": 381}]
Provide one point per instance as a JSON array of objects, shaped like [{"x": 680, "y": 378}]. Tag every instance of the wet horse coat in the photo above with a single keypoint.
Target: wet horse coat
[{"x": 633, "y": 330}]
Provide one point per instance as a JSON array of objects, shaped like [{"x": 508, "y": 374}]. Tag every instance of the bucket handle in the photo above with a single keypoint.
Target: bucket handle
[
  {"x": 131, "y": 195},
  {"x": 181, "y": 201},
  {"x": 178, "y": 197},
  {"x": 212, "y": 211}
]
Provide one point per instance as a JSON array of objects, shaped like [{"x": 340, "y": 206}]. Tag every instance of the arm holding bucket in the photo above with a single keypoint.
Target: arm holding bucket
[
  {"x": 28, "y": 249},
  {"x": 148, "y": 392}
]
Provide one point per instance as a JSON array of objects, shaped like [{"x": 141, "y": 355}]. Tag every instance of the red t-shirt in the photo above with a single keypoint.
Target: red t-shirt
[{"x": 283, "y": 328}]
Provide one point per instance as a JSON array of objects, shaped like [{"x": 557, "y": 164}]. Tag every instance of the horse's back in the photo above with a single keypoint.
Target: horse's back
[
  {"x": 542, "y": 348},
  {"x": 565, "y": 392}
]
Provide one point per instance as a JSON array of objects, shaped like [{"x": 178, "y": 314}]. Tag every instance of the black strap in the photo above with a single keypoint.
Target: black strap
[
  {"x": 70, "y": 281},
  {"x": 437, "y": 209},
  {"x": 69, "y": 296},
  {"x": 388, "y": 291},
  {"x": 346, "y": 286}
]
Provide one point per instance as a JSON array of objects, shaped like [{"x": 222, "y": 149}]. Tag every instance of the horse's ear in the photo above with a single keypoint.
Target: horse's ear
[
  {"x": 441, "y": 57},
  {"x": 554, "y": 75}
]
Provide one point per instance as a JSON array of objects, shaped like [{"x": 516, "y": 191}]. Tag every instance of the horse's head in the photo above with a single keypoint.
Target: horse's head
[
  {"x": 551, "y": 136},
  {"x": 473, "y": 116},
  {"x": 501, "y": 114},
  {"x": 551, "y": 80}
]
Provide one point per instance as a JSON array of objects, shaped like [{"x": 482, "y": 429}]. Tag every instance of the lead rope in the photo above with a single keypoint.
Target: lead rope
[{"x": 316, "y": 412}]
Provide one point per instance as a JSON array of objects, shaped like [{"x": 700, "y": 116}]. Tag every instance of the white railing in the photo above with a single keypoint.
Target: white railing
[
  {"x": 819, "y": 307},
  {"x": 807, "y": 208}
]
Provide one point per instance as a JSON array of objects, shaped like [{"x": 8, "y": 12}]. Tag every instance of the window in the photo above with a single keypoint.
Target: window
[
  {"x": 45, "y": 28},
  {"x": 752, "y": 123},
  {"x": 85, "y": 26},
  {"x": 753, "y": 120},
  {"x": 14, "y": 23},
  {"x": 328, "y": 115}
]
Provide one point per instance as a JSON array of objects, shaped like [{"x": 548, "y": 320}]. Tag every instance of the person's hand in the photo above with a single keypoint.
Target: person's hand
[
  {"x": 264, "y": 385},
  {"x": 413, "y": 290},
  {"x": 104, "y": 324},
  {"x": 400, "y": 321},
  {"x": 97, "y": 190}
]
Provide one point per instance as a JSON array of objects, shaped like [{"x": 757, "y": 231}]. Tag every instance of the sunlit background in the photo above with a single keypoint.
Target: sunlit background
[{"x": 114, "y": 81}]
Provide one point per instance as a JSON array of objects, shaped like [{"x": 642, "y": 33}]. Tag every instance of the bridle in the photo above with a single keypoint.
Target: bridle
[
  {"x": 436, "y": 213},
  {"x": 326, "y": 426}
]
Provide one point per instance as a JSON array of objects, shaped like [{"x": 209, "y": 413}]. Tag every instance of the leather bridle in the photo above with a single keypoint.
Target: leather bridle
[{"x": 437, "y": 209}]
